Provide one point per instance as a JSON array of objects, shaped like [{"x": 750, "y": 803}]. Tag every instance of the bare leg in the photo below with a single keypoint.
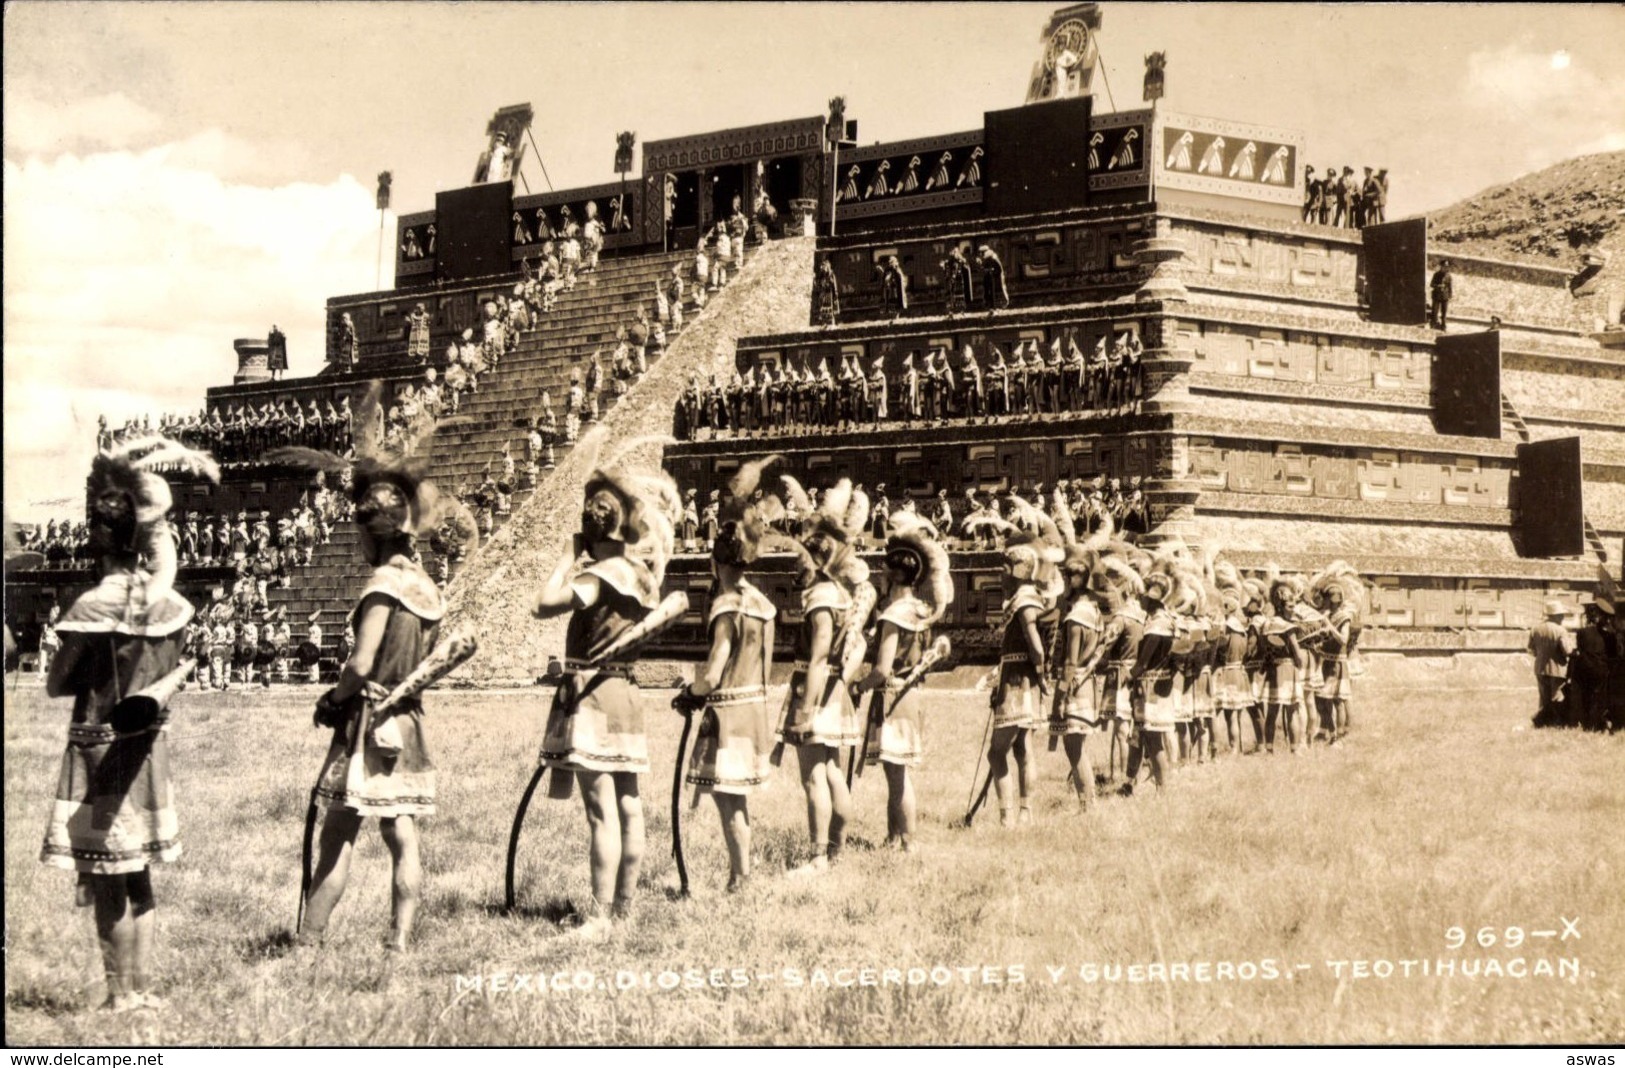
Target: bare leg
[
  {"x": 1026, "y": 773},
  {"x": 632, "y": 839},
  {"x": 840, "y": 801},
  {"x": 401, "y": 836},
  {"x": 332, "y": 873},
  {"x": 1156, "y": 745},
  {"x": 998, "y": 764},
  {"x": 1082, "y": 775},
  {"x": 815, "y": 782},
  {"x": 124, "y": 924},
  {"x": 604, "y": 831},
  {"x": 900, "y": 811},
  {"x": 735, "y": 817}
]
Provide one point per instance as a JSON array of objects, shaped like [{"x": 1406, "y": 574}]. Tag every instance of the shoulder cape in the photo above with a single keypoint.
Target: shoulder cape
[
  {"x": 406, "y": 583},
  {"x": 118, "y": 606}
]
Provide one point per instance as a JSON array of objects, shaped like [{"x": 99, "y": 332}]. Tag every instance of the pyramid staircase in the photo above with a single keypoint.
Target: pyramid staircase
[{"x": 582, "y": 320}]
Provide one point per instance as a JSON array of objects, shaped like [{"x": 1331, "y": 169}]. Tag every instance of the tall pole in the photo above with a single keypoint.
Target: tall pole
[
  {"x": 378, "y": 283},
  {"x": 834, "y": 177}
]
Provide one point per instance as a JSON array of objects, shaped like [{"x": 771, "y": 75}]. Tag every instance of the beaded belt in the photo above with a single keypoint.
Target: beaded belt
[{"x": 1014, "y": 658}]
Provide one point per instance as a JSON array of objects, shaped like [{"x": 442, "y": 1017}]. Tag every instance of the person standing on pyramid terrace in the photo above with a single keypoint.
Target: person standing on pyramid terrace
[{"x": 1440, "y": 289}]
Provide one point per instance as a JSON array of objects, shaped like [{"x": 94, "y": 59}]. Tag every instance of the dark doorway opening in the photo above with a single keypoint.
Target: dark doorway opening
[
  {"x": 726, "y": 183},
  {"x": 782, "y": 180}
]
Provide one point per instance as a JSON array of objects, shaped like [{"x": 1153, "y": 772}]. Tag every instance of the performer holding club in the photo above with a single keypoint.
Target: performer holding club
[
  {"x": 920, "y": 592},
  {"x": 1023, "y": 690},
  {"x": 120, "y": 660},
  {"x": 595, "y": 730},
  {"x": 730, "y": 756},
  {"x": 1075, "y": 713},
  {"x": 836, "y": 599},
  {"x": 378, "y": 763},
  {"x": 1343, "y": 596}
]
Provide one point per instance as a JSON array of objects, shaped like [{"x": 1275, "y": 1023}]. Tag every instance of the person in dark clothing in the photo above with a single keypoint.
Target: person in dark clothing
[{"x": 1440, "y": 288}]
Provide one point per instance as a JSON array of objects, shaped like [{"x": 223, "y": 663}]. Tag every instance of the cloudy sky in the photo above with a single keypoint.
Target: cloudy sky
[{"x": 178, "y": 175}]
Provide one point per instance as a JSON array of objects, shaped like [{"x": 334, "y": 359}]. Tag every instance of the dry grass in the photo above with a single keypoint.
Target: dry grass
[{"x": 1438, "y": 814}]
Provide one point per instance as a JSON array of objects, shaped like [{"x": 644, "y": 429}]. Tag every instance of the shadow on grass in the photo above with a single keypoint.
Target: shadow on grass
[
  {"x": 50, "y": 1002},
  {"x": 266, "y": 947},
  {"x": 556, "y": 910}
]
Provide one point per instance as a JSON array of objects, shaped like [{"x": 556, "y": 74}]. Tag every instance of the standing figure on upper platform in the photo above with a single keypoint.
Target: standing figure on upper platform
[
  {"x": 972, "y": 404},
  {"x": 1313, "y": 193},
  {"x": 995, "y": 294},
  {"x": 1441, "y": 288},
  {"x": 957, "y": 281},
  {"x": 893, "y": 288},
  {"x": 877, "y": 391},
  {"x": 828, "y": 290},
  {"x": 349, "y": 344}
]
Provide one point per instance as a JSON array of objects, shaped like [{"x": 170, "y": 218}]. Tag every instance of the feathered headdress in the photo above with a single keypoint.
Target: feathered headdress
[
  {"x": 915, "y": 545},
  {"x": 389, "y": 481},
  {"x": 826, "y": 531},
  {"x": 742, "y": 520},
  {"x": 1340, "y": 575},
  {"x": 649, "y": 503},
  {"x": 126, "y": 502}
]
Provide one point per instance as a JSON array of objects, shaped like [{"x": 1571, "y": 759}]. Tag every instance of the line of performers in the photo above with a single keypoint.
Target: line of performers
[
  {"x": 1096, "y": 635},
  {"x": 794, "y": 399}
]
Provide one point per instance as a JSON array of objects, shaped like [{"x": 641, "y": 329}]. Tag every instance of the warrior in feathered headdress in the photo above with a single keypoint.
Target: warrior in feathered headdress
[
  {"x": 1342, "y": 595},
  {"x": 1282, "y": 660},
  {"x": 1173, "y": 595},
  {"x": 609, "y": 582},
  {"x": 1235, "y": 647},
  {"x": 731, "y": 751},
  {"x": 378, "y": 767},
  {"x": 1032, "y": 551},
  {"x": 836, "y": 599},
  {"x": 1076, "y": 711},
  {"x": 113, "y": 814},
  {"x": 920, "y": 590}
]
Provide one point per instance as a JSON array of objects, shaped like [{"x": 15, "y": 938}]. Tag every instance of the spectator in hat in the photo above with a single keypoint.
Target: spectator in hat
[{"x": 1552, "y": 646}]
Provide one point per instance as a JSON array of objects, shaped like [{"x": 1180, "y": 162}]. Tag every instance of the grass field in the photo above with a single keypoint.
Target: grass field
[{"x": 1438, "y": 814}]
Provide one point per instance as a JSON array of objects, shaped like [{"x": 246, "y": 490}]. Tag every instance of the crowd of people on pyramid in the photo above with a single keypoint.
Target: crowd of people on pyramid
[
  {"x": 1344, "y": 200},
  {"x": 1156, "y": 651},
  {"x": 1035, "y": 382},
  {"x": 1092, "y": 503},
  {"x": 242, "y": 434}
]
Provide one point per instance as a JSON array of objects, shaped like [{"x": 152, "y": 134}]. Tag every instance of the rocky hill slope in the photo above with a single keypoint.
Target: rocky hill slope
[{"x": 1559, "y": 214}]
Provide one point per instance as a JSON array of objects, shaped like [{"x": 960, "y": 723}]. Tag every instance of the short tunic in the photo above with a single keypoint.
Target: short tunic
[
  {"x": 1116, "y": 695},
  {"x": 1280, "y": 671},
  {"x": 1337, "y": 684},
  {"x": 731, "y": 748},
  {"x": 1157, "y": 709},
  {"x": 1076, "y": 709},
  {"x": 900, "y": 736},
  {"x": 115, "y": 808},
  {"x": 1231, "y": 689},
  {"x": 1019, "y": 680},
  {"x": 596, "y": 720},
  {"x": 834, "y": 722},
  {"x": 358, "y": 774}
]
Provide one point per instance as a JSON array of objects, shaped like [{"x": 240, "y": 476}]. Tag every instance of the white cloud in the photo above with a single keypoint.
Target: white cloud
[
  {"x": 129, "y": 274},
  {"x": 110, "y": 121}
]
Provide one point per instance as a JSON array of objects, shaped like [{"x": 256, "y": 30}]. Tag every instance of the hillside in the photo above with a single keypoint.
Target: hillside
[{"x": 1558, "y": 214}]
